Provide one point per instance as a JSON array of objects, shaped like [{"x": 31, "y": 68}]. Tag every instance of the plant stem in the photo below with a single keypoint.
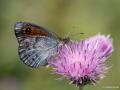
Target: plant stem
[{"x": 81, "y": 87}]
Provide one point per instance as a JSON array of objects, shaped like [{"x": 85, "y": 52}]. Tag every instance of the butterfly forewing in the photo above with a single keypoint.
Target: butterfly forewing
[{"x": 37, "y": 46}]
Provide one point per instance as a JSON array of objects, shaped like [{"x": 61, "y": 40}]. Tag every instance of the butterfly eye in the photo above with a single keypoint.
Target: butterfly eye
[{"x": 28, "y": 30}]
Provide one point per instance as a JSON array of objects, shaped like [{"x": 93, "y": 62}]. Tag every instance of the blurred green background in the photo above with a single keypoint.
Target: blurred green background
[{"x": 62, "y": 17}]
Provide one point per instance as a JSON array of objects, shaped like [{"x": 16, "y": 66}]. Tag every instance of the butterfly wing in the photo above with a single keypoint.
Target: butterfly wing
[{"x": 36, "y": 45}]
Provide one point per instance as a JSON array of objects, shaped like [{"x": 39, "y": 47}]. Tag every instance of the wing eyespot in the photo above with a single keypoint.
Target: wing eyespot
[{"x": 28, "y": 30}]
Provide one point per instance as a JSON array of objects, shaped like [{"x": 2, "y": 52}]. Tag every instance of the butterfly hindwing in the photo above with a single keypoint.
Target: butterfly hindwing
[
  {"x": 36, "y": 51},
  {"x": 36, "y": 45}
]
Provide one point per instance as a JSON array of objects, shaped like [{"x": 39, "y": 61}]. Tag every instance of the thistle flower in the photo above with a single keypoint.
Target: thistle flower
[{"x": 83, "y": 62}]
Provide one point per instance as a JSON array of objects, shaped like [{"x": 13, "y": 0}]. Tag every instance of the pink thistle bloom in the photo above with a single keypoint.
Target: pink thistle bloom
[{"x": 83, "y": 62}]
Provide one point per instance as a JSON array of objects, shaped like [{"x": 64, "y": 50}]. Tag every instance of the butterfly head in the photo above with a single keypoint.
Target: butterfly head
[{"x": 66, "y": 40}]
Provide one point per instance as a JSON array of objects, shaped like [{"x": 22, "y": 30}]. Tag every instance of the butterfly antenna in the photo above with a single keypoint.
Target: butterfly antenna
[{"x": 74, "y": 34}]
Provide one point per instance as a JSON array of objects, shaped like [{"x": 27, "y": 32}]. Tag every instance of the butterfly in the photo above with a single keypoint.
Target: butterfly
[{"x": 36, "y": 44}]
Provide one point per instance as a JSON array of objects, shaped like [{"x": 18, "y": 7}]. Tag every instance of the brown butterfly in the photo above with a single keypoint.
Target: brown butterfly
[{"x": 36, "y": 44}]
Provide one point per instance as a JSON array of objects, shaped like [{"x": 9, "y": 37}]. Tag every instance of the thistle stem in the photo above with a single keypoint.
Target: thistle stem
[{"x": 81, "y": 87}]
